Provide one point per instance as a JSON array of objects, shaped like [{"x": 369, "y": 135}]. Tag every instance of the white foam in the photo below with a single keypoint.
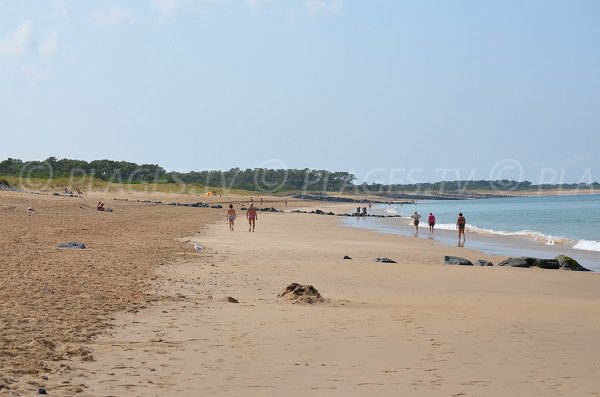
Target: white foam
[
  {"x": 547, "y": 239},
  {"x": 587, "y": 245}
]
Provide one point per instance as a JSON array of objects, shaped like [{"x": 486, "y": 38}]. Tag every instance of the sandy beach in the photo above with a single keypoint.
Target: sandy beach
[{"x": 142, "y": 314}]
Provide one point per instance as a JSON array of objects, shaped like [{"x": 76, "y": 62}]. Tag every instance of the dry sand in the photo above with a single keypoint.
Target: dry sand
[{"x": 417, "y": 328}]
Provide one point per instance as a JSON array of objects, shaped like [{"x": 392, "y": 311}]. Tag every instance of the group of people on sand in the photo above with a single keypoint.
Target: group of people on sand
[
  {"x": 251, "y": 215},
  {"x": 460, "y": 224}
]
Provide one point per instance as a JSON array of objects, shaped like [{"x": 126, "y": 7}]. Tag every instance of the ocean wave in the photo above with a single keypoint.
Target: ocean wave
[
  {"x": 547, "y": 239},
  {"x": 587, "y": 245}
]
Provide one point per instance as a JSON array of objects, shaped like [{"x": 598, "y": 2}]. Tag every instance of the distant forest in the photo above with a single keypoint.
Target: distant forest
[{"x": 257, "y": 179}]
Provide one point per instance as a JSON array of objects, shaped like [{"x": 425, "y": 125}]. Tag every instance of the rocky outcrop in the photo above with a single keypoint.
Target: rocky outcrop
[
  {"x": 523, "y": 261},
  {"x": 568, "y": 263},
  {"x": 457, "y": 260},
  {"x": 560, "y": 262},
  {"x": 483, "y": 262}
]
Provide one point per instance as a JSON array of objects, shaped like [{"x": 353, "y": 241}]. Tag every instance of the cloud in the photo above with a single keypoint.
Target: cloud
[
  {"x": 28, "y": 51},
  {"x": 17, "y": 43},
  {"x": 113, "y": 16},
  {"x": 48, "y": 45},
  {"x": 60, "y": 9},
  {"x": 168, "y": 8},
  {"x": 322, "y": 6},
  {"x": 256, "y": 4}
]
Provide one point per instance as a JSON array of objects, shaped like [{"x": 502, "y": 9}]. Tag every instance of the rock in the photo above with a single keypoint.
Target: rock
[
  {"x": 3, "y": 386},
  {"x": 319, "y": 212},
  {"x": 568, "y": 263},
  {"x": 42, "y": 390},
  {"x": 383, "y": 259},
  {"x": 301, "y": 293},
  {"x": 347, "y": 257},
  {"x": 523, "y": 261},
  {"x": 216, "y": 206},
  {"x": 231, "y": 299},
  {"x": 456, "y": 260},
  {"x": 483, "y": 262},
  {"x": 243, "y": 209},
  {"x": 72, "y": 245},
  {"x": 547, "y": 264}
]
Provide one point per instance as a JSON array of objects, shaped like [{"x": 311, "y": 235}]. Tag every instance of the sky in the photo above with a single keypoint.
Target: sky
[{"x": 393, "y": 91}]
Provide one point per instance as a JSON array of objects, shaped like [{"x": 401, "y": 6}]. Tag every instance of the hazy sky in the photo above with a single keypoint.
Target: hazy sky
[{"x": 394, "y": 91}]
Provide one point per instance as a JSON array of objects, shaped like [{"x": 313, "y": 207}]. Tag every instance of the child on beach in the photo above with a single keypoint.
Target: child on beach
[
  {"x": 231, "y": 217},
  {"x": 252, "y": 217},
  {"x": 460, "y": 224}
]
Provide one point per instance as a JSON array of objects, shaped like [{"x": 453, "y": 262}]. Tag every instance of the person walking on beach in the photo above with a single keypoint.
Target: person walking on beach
[
  {"x": 460, "y": 225},
  {"x": 415, "y": 219},
  {"x": 431, "y": 222},
  {"x": 252, "y": 217},
  {"x": 231, "y": 217}
]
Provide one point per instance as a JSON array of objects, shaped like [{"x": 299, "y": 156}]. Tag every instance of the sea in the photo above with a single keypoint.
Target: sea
[{"x": 540, "y": 226}]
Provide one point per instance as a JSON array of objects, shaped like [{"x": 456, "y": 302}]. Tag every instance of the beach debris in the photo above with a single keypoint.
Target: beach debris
[
  {"x": 347, "y": 257},
  {"x": 73, "y": 245},
  {"x": 231, "y": 299},
  {"x": 42, "y": 390},
  {"x": 483, "y": 262},
  {"x": 383, "y": 259},
  {"x": 568, "y": 263},
  {"x": 457, "y": 260},
  {"x": 301, "y": 294},
  {"x": 198, "y": 247},
  {"x": 31, "y": 209}
]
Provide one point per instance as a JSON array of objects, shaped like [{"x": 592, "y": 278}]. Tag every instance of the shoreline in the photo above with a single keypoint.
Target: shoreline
[{"x": 498, "y": 245}]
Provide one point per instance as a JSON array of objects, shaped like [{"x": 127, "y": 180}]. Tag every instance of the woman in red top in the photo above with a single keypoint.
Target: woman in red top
[{"x": 431, "y": 222}]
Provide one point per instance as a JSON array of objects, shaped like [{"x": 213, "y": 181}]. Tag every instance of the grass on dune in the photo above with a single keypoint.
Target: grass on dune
[{"x": 91, "y": 184}]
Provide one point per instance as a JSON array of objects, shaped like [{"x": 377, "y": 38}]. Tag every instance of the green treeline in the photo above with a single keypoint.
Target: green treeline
[{"x": 258, "y": 179}]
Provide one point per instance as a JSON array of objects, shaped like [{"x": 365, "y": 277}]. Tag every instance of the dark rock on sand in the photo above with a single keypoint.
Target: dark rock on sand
[
  {"x": 42, "y": 390},
  {"x": 523, "y": 261},
  {"x": 301, "y": 293},
  {"x": 457, "y": 260},
  {"x": 568, "y": 263},
  {"x": 243, "y": 209},
  {"x": 483, "y": 262},
  {"x": 547, "y": 264},
  {"x": 72, "y": 245},
  {"x": 231, "y": 299},
  {"x": 383, "y": 259},
  {"x": 347, "y": 257}
]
